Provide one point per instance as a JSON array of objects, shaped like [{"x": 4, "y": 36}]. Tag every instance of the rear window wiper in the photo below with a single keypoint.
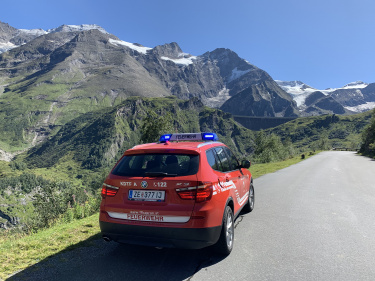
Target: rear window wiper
[{"x": 159, "y": 174}]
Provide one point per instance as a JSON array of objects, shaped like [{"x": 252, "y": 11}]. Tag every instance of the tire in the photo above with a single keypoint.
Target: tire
[
  {"x": 250, "y": 200},
  {"x": 224, "y": 245}
]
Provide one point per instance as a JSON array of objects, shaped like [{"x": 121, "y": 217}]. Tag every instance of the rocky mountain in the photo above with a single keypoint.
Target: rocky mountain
[
  {"x": 318, "y": 103},
  {"x": 11, "y": 37},
  {"x": 47, "y": 78},
  {"x": 261, "y": 99},
  {"x": 353, "y": 97}
]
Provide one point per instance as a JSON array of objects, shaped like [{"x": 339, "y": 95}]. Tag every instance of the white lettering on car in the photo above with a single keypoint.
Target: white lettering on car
[
  {"x": 148, "y": 216},
  {"x": 140, "y": 217},
  {"x": 160, "y": 184},
  {"x": 224, "y": 186}
]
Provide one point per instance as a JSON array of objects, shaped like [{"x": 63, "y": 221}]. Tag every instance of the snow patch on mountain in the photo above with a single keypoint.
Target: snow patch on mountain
[
  {"x": 185, "y": 59},
  {"x": 362, "y": 107},
  {"x": 355, "y": 85},
  {"x": 140, "y": 49},
  {"x": 4, "y": 47},
  {"x": 300, "y": 91},
  {"x": 295, "y": 88},
  {"x": 237, "y": 74},
  {"x": 75, "y": 28},
  {"x": 216, "y": 102},
  {"x": 35, "y": 32}
]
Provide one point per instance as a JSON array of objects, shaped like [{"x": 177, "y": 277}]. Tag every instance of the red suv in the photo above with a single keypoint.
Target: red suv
[{"x": 183, "y": 191}]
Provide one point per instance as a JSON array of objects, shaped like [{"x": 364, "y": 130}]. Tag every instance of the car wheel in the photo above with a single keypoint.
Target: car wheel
[
  {"x": 250, "y": 200},
  {"x": 225, "y": 243}
]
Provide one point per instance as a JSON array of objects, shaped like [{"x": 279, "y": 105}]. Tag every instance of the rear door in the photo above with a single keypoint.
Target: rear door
[
  {"x": 241, "y": 178},
  {"x": 232, "y": 175},
  {"x": 147, "y": 188}
]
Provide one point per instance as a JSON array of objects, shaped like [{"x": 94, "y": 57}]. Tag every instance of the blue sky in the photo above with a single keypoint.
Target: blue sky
[{"x": 324, "y": 43}]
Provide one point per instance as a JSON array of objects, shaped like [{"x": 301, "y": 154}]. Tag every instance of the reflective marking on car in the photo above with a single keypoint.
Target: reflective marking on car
[
  {"x": 224, "y": 186},
  {"x": 146, "y": 217},
  {"x": 242, "y": 200},
  {"x": 208, "y": 143}
]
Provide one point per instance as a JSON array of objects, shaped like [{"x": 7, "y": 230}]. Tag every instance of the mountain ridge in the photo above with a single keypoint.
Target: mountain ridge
[{"x": 354, "y": 97}]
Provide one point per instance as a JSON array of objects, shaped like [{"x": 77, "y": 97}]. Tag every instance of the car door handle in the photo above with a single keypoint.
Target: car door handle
[{"x": 222, "y": 179}]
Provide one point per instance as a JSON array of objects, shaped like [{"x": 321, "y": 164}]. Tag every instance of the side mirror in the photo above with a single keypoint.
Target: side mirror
[{"x": 245, "y": 164}]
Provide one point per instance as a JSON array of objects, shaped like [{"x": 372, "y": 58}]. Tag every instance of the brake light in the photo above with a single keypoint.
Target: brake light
[
  {"x": 202, "y": 192},
  {"x": 109, "y": 190},
  {"x": 188, "y": 193}
]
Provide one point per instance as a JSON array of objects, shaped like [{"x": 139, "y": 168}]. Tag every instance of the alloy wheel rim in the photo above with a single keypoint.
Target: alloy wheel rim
[
  {"x": 229, "y": 231},
  {"x": 251, "y": 197}
]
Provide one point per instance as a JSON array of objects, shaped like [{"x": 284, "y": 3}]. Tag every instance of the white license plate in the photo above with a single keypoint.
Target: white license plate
[{"x": 147, "y": 195}]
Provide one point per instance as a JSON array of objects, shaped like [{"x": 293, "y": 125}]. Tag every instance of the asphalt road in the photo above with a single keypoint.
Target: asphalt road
[{"x": 312, "y": 221}]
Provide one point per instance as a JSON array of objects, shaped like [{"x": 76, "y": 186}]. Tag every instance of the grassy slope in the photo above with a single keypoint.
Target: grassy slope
[
  {"x": 261, "y": 169},
  {"x": 29, "y": 102},
  {"x": 324, "y": 132},
  {"x": 20, "y": 252}
]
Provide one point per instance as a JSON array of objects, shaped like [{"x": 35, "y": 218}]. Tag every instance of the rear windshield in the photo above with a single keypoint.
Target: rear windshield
[{"x": 157, "y": 165}]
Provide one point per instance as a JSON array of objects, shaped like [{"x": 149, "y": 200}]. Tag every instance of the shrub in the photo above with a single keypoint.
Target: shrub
[
  {"x": 368, "y": 139},
  {"x": 49, "y": 204},
  {"x": 270, "y": 148}
]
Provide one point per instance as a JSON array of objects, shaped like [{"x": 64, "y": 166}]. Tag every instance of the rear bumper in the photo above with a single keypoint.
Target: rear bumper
[{"x": 166, "y": 237}]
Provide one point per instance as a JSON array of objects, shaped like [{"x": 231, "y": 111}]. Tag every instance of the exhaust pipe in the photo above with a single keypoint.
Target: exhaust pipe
[{"x": 106, "y": 238}]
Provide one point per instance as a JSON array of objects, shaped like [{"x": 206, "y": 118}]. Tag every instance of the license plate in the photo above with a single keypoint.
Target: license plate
[{"x": 147, "y": 195}]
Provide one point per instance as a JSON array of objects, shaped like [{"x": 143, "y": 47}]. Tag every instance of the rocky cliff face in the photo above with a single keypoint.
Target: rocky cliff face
[
  {"x": 263, "y": 99},
  {"x": 317, "y": 104}
]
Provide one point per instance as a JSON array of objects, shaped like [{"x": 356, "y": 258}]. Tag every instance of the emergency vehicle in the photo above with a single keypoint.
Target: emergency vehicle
[{"x": 184, "y": 191}]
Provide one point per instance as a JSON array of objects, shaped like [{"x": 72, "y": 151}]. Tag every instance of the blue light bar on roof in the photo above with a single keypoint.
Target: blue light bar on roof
[
  {"x": 189, "y": 137},
  {"x": 210, "y": 136},
  {"x": 165, "y": 138}
]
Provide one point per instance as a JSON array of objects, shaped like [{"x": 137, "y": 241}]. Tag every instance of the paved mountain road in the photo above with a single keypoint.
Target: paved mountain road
[{"x": 312, "y": 221}]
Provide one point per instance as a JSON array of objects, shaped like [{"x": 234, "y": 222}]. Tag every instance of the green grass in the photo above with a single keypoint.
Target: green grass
[
  {"x": 20, "y": 252},
  {"x": 261, "y": 169}
]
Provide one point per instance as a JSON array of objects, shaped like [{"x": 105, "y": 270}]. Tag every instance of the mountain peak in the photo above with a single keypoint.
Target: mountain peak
[
  {"x": 295, "y": 83},
  {"x": 75, "y": 28},
  {"x": 170, "y": 50},
  {"x": 356, "y": 85},
  {"x": 223, "y": 53}
]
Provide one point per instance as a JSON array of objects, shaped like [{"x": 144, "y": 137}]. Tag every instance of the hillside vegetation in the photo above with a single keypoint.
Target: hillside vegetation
[
  {"x": 368, "y": 138},
  {"x": 98, "y": 138},
  {"x": 324, "y": 132}
]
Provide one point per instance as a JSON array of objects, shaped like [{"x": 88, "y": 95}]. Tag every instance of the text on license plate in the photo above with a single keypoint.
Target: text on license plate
[{"x": 147, "y": 195}]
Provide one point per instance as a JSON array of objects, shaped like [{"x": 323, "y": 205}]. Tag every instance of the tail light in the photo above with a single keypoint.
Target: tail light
[
  {"x": 200, "y": 193},
  {"x": 109, "y": 190}
]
